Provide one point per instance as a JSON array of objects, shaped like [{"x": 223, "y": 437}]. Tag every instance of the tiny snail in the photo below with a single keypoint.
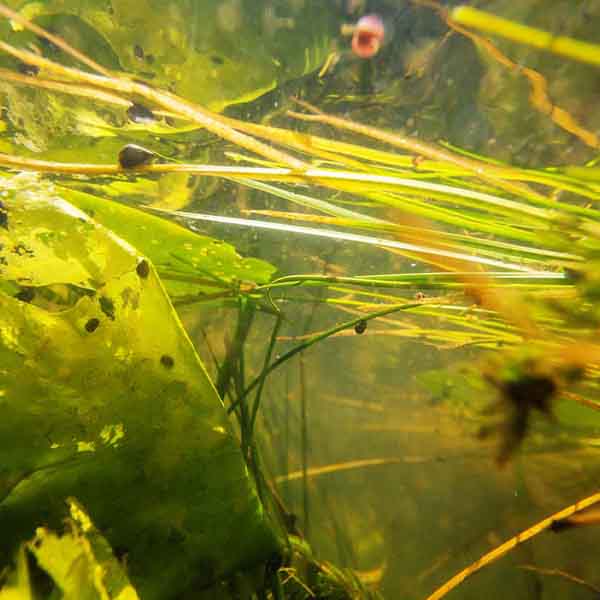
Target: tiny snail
[
  {"x": 138, "y": 113},
  {"x": 361, "y": 326},
  {"x": 132, "y": 156},
  {"x": 143, "y": 268},
  {"x": 92, "y": 325}
]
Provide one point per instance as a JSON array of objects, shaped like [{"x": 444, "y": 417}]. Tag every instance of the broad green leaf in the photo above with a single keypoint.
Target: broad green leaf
[
  {"x": 213, "y": 52},
  {"x": 80, "y": 561},
  {"x": 188, "y": 263},
  {"x": 104, "y": 399}
]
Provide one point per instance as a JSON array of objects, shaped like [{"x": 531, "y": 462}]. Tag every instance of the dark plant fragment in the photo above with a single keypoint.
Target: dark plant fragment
[
  {"x": 27, "y": 69},
  {"x": 27, "y": 294},
  {"x": 107, "y": 306},
  {"x": 523, "y": 389}
]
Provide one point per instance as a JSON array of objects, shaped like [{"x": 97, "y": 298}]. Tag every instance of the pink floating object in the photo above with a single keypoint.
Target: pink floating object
[{"x": 368, "y": 36}]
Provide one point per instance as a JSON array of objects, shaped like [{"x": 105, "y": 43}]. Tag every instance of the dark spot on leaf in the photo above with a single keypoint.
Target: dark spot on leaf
[
  {"x": 143, "y": 269},
  {"x": 92, "y": 325},
  {"x": 167, "y": 361},
  {"x": 27, "y": 69},
  {"x": 150, "y": 59},
  {"x": 361, "y": 326},
  {"x": 107, "y": 306},
  {"x": 46, "y": 44},
  {"x": 132, "y": 156},
  {"x": 27, "y": 294},
  {"x": 22, "y": 250},
  {"x": 138, "y": 51},
  {"x": 138, "y": 113},
  {"x": 217, "y": 60},
  {"x": 3, "y": 216}
]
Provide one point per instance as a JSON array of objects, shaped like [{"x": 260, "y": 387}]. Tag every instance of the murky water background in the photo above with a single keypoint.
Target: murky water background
[
  {"x": 398, "y": 484},
  {"x": 440, "y": 502}
]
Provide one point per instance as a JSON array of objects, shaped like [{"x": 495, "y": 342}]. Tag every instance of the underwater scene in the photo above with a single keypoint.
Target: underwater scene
[{"x": 299, "y": 299}]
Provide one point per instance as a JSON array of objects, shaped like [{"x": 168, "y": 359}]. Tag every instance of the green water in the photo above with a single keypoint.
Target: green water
[{"x": 367, "y": 443}]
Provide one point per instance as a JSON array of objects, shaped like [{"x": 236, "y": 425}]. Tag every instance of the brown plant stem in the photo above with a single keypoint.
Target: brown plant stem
[{"x": 512, "y": 543}]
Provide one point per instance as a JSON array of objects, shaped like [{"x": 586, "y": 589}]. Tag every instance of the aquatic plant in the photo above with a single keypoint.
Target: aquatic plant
[{"x": 89, "y": 286}]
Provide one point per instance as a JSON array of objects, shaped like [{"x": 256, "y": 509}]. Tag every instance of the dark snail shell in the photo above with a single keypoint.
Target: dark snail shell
[
  {"x": 132, "y": 156},
  {"x": 138, "y": 113},
  {"x": 361, "y": 326}
]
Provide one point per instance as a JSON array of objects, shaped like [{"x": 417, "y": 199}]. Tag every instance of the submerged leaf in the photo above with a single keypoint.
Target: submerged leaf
[
  {"x": 103, "y": 398},
  {"x": 188, "y": 263}
]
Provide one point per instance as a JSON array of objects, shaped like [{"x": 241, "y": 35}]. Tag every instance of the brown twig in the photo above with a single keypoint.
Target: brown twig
[
  {"x": 512, "y": 543},
  {"x": 563, "y": 574}
]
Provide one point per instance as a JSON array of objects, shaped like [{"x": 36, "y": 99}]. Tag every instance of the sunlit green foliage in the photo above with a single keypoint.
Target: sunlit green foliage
[
  {"x": 103, "y": 396},
  {"x": 105, "y": 399}
]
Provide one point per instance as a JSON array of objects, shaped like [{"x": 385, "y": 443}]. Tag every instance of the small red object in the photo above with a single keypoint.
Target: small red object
[{"x": 368, "y": 36}]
